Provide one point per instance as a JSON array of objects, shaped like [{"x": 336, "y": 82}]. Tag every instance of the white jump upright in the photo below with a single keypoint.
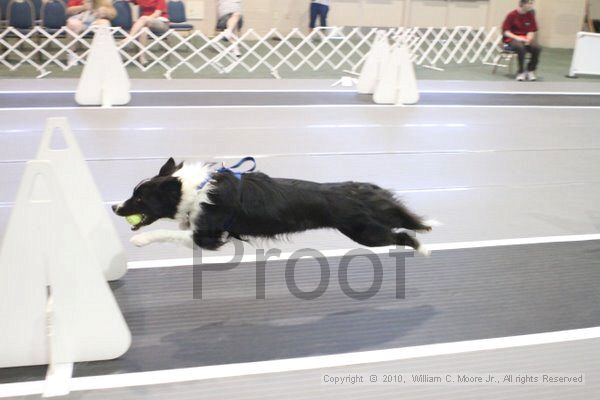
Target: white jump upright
[
  {"x": 387, "y": 86},
  {"x": 388, "y": 73},
  {"x": 370, "y": 72},
  {"x": 104, "y": 80},
  {"x": 408, "y": 91},
  {"x": 586, "y": 59},
  {"x": 76, "y": 181},
  {"x": 55, "y": 304}
]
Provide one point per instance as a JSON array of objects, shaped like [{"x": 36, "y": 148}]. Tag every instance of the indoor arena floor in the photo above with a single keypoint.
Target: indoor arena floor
[{"x": 510, "y": 169}]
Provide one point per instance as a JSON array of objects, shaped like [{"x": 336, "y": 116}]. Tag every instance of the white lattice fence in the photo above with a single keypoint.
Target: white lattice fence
[{"x": 340, "y": 48}]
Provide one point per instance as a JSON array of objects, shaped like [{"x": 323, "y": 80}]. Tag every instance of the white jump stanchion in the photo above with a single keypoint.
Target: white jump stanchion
[
  {"x": 586, "y": 60},
  {"x": 408, "y": 91},
  {"x": 76, "y": 181},
  {"x": 369, "y": 74},
  {"x": 387, "y": 84},
  {"x": 104, "y": 80},
  {"x": 55, "y": 305}
]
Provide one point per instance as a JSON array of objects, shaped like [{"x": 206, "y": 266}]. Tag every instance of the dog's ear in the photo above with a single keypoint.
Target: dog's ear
[{"x": 168, "y": 168}]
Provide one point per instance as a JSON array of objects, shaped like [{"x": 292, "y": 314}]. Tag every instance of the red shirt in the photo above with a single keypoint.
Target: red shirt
[
  {"x": 147, "y": 7},
  {"x": 74, "y": 3},
  {"x": 519, "y": 24}
]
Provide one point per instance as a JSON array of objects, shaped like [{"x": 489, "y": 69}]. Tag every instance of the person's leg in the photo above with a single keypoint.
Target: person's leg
[
  {"x": 535, "y": 49},
  {"x": 75, "y": 25},
  {"x": 314, "y": 10},
  {"x": 157, "y": 27},
  {"x": 233, "y": 27},
  {"x": 233, "y": 23},
  {"x": 138, "y": 25},
  {"x": 324, "y": 12},
  {"x": 519, "y": 48}
]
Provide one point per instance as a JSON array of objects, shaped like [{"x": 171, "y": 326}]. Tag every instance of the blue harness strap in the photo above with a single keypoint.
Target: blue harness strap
[{"x": 237, "y": 174}]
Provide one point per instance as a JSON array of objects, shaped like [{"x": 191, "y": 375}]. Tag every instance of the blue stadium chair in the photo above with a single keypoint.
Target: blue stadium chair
[
  {"x": 123, "y": 19},
  {"x": 21, "y": 15},
  {"x": 54, "y": 15},
  {"x": 177, "y": 18}
]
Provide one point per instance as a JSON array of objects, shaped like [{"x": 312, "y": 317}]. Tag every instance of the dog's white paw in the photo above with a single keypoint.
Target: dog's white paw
[
  {"x": 140, "y": 240},
  {"x": 432, "y": 223},
  {"x": 424, "y": 251}
]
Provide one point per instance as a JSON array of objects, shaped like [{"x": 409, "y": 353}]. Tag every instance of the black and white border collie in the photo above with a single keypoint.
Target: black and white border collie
[{"x": 212, "y": 205}]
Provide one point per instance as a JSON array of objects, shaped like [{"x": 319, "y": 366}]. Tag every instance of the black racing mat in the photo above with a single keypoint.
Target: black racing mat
[
  {"x": 186, "y": 99},
  {"x": 455, "y": 295}
]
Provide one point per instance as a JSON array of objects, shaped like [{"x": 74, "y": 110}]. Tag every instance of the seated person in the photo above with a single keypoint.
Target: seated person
[
  {"x": 519, "y": 29},
  {"x": 85, "y": 13},
  {"x": 230, "y": 20},
  {"x": 154, "y": 16}
]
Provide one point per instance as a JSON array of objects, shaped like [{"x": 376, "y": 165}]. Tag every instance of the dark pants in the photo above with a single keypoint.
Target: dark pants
[
  {"x": 319, "y": 10},
  {"x": 222, "y": 22},
  {"x": 521, "y": 49}
]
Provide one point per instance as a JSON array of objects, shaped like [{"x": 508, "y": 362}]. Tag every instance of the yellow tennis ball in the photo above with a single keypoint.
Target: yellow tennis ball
[{"x": 134, "y": 219}]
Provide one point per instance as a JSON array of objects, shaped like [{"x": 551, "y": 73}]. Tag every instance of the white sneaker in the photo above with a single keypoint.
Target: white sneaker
[
  {"x": 236, "y": 50},
  {"x": 531, "y": 76},
  {"x": 72, "y": 60},
  {"x": 521, "y": 77}
]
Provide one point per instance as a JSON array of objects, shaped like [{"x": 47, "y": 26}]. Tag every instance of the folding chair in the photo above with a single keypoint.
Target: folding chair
[
  {"x": 177, "y": 18},
  {"x": 20, "y": 14},
  {"x": 54, "y": 18},
  {"x": 21, "y": 17},
  {"x": 505, "y": 58},
  {"x": 53, "y": 15}
]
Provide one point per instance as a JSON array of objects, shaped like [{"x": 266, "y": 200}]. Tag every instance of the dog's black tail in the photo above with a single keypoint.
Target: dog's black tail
[{"x": 389, "y": 210}]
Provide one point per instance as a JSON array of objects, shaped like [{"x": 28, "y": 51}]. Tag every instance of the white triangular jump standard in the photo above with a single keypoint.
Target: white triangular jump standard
[
  {"x": 55, "y": 304},
  {"x": 386, "y": 90},
  {"x": 408, "y": 92},
  {"x": 104, "y": 80},
  {"x": 83, "y": 198},
  {"x": 371, "y": 70}
]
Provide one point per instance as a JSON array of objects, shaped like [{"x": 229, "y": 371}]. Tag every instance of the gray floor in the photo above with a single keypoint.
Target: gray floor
[
  {"x": 305, "y": 385},
  {"x": 453, "y": 296},
  {"x": 513, "y": 181},
  {"x": 214, "y": 99},
  {"x": 486, "y": 173}
]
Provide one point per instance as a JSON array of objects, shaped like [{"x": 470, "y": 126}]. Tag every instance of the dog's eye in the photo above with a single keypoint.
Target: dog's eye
[{"x": 137, "y": 199}]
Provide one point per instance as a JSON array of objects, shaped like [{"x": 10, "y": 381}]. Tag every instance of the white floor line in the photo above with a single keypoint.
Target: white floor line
[
  {"x": 429, "y": 91},
  {"x": 103, "y": 109},
  {"x": 303, "y": 363},
  {"x": 543, "y": 93},
  {"x": 494, "y": 106},
  {"x": 202, "y": 91},
  {"x": 250, "y": 258}
]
